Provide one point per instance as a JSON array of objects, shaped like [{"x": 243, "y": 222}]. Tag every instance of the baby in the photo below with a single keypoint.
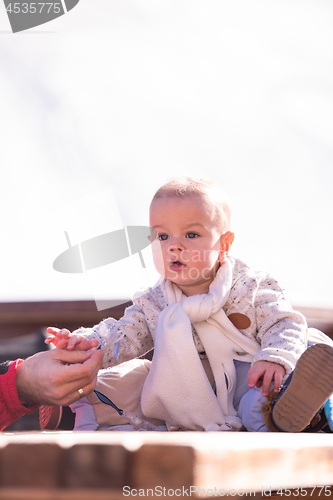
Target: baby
[{"x": 223, "y": 334}]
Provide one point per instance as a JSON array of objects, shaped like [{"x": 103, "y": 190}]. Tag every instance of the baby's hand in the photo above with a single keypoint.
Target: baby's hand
[
  {"x": 63, "y": 339},
  {"x": 264, "y": 372}
]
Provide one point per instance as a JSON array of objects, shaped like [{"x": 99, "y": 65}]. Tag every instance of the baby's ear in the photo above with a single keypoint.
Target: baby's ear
[{"x": 226, "y": 242}]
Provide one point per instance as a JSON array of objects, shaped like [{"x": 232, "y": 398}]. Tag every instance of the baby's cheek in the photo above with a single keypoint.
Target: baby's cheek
[{"x": 158, "y": 257}]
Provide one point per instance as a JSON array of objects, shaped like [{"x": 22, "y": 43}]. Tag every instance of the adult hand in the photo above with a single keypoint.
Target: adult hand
[{"x": 54, "y": 377}]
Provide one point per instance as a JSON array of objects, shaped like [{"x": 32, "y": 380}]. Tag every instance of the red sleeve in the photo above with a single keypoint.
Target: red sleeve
[{"x": 10, "y": 406}]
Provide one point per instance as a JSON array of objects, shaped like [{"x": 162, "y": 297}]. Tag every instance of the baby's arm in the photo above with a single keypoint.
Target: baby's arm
[
  {"x": 121, "y": 340},
  {"x": 125, "y": 339},
  {"x": 264, "y": 372},
  {"x": 281, "y": 330},
  {"x": 64, "y": 339}
]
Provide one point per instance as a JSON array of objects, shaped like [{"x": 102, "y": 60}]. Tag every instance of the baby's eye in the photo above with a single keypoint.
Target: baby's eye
[
  {"x": 163, "y": 237},
  {"x": 192, "y": 235}
]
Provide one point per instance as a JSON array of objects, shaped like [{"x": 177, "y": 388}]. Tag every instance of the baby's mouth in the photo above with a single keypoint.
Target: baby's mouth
[{"x": 176, "y": 264}]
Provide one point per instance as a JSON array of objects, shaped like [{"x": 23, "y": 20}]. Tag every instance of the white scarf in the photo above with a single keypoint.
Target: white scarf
[{"x": 177, "y": 389}]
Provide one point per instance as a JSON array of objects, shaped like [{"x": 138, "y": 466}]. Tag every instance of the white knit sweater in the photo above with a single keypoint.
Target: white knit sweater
[{"x": 275, "y": 326}]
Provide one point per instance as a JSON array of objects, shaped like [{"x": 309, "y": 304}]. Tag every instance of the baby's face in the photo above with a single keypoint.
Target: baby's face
[{"x": 187, "y": 248}]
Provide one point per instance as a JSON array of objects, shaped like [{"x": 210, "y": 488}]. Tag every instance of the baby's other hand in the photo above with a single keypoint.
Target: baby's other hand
[
  {"x": 263, "y": 372},
  {"x": 59, "y": 338},
  {"x": 63, "y": 339}
]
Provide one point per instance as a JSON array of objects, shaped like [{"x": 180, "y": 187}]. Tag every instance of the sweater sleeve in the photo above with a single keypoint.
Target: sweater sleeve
[
  {"x": 123, "y": 339},
  {"x": 281, "y": 331},
  {"x": 10, "y": 406}
]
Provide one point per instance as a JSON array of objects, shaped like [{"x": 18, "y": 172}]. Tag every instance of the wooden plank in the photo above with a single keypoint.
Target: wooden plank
[
  {"x": 109, "y": 494},
  {"x": 156, "y": 466},
  {"x": 318, "y": 318},
  {"x": 20, "y": 318},
  {"x": 26, "y": 317},
  {"x": 194, "y": 464},
  {"x": 58, "y": 494}
]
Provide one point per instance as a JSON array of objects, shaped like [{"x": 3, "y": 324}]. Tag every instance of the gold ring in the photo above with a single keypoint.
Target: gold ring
[{"x": 80, "y": 391}]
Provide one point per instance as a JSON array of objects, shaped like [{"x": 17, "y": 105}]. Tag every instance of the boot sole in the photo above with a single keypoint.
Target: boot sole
[
  {"x": 311, "y": 385},
  {"x": 50, "y": 417}
]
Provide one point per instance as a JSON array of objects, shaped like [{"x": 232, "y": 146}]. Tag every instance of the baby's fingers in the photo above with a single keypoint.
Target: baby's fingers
[
  {"x": 277, "y": 383},
  {"x": 254, "y": 376},
  {"x": 278, "y": 376},
  {"x": 50, "y": 339},
  {"x": 60, "y": 333},
  {"x": 266, "y": 383},
  {"x": 59, "y": 343},
  {"x": 88, "y": 344},
  {"x": 80, "y": 342},
  {"x": 73, "y": 341},
  {"x": 52, "y": 329},
  {"x": 57, "y": 335}
]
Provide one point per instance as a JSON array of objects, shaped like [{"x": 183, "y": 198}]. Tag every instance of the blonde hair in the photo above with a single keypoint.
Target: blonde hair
[{"x": 212, "y": 193}]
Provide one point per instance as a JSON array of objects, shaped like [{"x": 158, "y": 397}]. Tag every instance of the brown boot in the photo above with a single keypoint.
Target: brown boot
[
  {"x": 305, "y": 391},
  {"x": 266, "y": 410}
]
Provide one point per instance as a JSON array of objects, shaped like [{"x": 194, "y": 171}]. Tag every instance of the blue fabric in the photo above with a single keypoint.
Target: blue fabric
[
  {"x": 250, "y": 410},
  {"x": 328, "y": 407},
  {"x": 248, "y": 401}
]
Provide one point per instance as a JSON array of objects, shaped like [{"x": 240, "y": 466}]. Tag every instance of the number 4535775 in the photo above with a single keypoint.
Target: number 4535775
[
  {"x": 311, "y": 491},
  {"x": 34, "y": 7}
]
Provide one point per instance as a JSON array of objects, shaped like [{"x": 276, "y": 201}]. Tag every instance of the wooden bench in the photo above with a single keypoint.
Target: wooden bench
[
  {"x": 64, "y": 465},
  {"x": 107, "y": 465}
]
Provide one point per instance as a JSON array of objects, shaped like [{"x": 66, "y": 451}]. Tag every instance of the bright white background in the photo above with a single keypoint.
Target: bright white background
[{"x": 122, "y": 95}]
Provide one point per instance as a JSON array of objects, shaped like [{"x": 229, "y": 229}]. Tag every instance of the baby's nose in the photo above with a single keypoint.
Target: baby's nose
[{"x": 175, "y": 246}]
